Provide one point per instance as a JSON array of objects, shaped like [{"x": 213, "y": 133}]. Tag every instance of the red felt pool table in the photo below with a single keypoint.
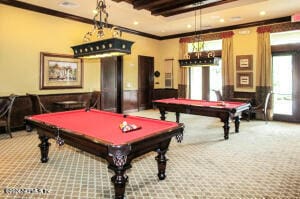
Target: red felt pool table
[
  {"x": 225, "y": 110},
  {"x": 99, "y": 133}
]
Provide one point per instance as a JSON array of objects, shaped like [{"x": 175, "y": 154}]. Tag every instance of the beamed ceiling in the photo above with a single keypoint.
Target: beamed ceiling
[{"x": 161, "y": 19}]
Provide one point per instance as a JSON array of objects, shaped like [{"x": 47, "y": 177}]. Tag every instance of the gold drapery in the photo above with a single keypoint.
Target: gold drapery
[
  {"x": 263, "y": 66},
  {"x": 227, "y": 66}
]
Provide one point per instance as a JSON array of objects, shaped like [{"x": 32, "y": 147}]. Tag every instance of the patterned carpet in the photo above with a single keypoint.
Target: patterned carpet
[{"x": 262, "y": 161}]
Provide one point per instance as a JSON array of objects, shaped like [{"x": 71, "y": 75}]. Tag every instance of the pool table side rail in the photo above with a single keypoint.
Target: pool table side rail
[
  {"x": 54, "y": 129},
  {"x": 202, "y": 110},
  {"x": 102, "y": 148}
]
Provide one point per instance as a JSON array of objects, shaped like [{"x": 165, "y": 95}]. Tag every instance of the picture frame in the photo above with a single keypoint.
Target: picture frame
[
  {"x": 244, "y": 62},
  {"x": 60, "y": 71},
  {"x": 244, "y": 80}
]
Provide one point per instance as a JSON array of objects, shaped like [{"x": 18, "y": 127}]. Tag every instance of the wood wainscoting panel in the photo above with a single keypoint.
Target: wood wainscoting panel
[
  {"x": 23, "y": 107},
  {"x": 130, "y": 101}
]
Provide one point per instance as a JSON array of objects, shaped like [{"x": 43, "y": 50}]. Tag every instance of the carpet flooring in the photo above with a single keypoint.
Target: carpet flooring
[{"x": 262, "y": 161}]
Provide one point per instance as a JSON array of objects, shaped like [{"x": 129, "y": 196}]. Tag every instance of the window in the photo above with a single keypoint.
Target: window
[
  {"x": 215, "y": 80},
  {"x": 289, "y": 37},
  {"x": 205, "y": 79},
  {"x": 196, "y": 83},
  {"x": 208, "y": 45}
]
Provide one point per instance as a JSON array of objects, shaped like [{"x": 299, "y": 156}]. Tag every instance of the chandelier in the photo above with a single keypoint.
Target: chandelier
[
  {"x": 198, "y": 56},
  {"x": 103, "y": 47}
]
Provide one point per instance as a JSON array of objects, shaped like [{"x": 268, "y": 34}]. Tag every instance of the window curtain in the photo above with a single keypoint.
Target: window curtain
[
  {"x": 183, "y": 79},
  {"x": 263, "y": 66},
  {"x": 227, "y": 65}
]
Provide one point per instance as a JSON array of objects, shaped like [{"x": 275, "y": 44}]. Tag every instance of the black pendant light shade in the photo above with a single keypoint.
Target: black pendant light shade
[
  {"x": 114, "y": 46},
  {"x": 203, "y": 61},
  {"x": 103, "y": 48}
]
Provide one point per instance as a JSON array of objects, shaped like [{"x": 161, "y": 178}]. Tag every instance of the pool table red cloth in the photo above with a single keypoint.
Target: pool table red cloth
[
  {"x": 104, "y": 126},
  {"x": 98, "y": 132},
  {"x": 225, "y": 110}
]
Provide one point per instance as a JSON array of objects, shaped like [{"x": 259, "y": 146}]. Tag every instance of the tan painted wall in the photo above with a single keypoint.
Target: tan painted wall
[
  {"x": 142, "y": 46},
  {"x": 169, "y": 49},
  {"x": 24, "y": 34}
]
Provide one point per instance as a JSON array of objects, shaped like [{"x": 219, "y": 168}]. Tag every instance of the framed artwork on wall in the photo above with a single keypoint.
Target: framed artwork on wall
[
  {"x": 244, "y": 62},
  {"x": 244, "y": 79},
  {"x": 58, "y": 71}
]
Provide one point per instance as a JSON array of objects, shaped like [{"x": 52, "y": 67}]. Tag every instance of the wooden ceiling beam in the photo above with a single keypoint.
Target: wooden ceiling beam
[
  {"x": 128, "y": 1},
  {"x": 175, "y": 7},
  {"x": 149, "y": 4},
  {"x": 186, "y": 6}
]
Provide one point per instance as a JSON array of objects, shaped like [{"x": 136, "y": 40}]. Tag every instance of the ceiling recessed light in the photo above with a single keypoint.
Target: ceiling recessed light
[
  {"x": 222, "y": 20},
  {"x": 215, "y": 17},
  {"x": 189, "y": 26},
  {"x": 68, "y": 4},
  {"x": 262, "y": 13},
  {"x": 236, "y": 18},
  {"x": 135, "y": 23},
  {"x": 206, "y": 27}
]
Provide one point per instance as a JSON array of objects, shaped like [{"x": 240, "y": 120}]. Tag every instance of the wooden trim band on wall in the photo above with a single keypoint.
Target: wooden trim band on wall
[{"x": 47, "y": 11}]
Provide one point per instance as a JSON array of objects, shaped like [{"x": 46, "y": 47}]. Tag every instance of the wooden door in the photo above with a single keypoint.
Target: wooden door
[
  {"x": 111, "y": 84},
  {"x": 146, "y": 82}
]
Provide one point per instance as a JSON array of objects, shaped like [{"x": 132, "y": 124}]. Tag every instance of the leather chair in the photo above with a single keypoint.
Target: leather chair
[
  {"x": 219, "y": 95},
  {"x": 37, "y": 106},
  {"x": 94, "y": 101},
  {"x": 5, "y": 113},
  {"x": 262, "y": 107}
]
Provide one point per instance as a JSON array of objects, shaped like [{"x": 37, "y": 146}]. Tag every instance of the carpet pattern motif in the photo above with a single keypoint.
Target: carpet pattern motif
[{"x": 262, "y": 161}]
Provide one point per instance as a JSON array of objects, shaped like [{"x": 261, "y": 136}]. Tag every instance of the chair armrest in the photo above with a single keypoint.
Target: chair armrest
[{"x": 260, "y": 106}]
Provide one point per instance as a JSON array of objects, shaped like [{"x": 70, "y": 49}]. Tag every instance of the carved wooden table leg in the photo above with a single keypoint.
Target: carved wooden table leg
[
  {"x": 119, "y": 180},
  {"x": 226, "y": 129},
  {"x": 162, "y": 114},
  {"x": 177, "y": 117},
  {"x": 119, "y": 163},
  {"x": 44, "y": 146},
  {"x": 237, "y": 123},
  {"x": 161, "y": 163}
]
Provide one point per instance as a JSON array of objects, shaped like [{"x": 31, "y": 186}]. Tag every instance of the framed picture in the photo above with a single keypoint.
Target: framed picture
[
  {"x": 244, "y": 80},
  {"x": 59, "y": 71},
  {"x": 244, "y": 62}
]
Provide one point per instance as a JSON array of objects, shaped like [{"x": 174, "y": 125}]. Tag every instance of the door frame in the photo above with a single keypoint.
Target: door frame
[
  {"x": 151, "y": 76},
  {"x": 119, "y": 83},
  {"x": 293, "y": 50}
]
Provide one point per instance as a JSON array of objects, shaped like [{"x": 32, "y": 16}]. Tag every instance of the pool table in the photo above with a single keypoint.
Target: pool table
[
  {"x": 99, "y": 133},
  {"x": 225, "y": 110}
]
